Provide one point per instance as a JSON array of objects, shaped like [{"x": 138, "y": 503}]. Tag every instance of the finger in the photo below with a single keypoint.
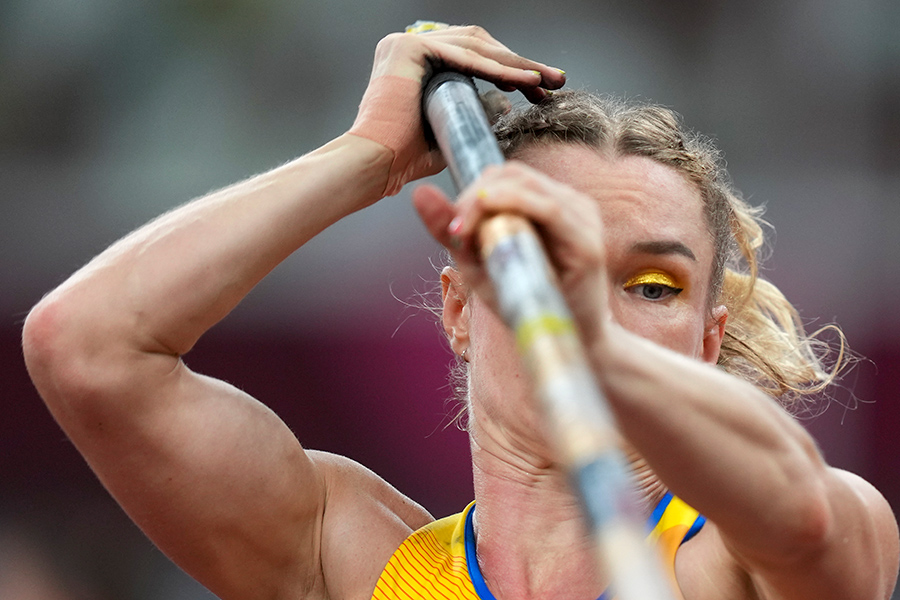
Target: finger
[
  {"x": 534, "y": 95},
  {"x": 568, "y": 221},
  {"x": 462, "y": 47},
  {"x": 511, "y": 188},
  {"x": 412, "y": 56},
  {"x": 471, "y": 62},
  {"x": 469, "y": 50},
  {"x": 495, "y": 105},
  {"x": 467, "y": 35},
  {"x": 477, "y": 39},
  {"x": 437, "y": 212}
]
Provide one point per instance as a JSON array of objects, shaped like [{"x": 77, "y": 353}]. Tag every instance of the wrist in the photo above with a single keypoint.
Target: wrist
[
  {"x": 615, "y": 357},
  {"x": 390, "y": 115},
  {"x": 355, "y": 167},
  {"x": 373, "y": 161}
]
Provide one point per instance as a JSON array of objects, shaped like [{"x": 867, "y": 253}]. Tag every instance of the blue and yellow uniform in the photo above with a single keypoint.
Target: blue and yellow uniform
[{"x": 438, "y": 561}]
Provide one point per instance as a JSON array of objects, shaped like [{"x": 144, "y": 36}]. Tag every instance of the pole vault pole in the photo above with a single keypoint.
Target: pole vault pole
[{"x": 531, "y": 304}]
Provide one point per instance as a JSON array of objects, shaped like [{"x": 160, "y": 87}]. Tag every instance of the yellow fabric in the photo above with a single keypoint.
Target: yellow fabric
[
  {"x": 431, "y": 563},
  {"x": 668, "y": 534}
]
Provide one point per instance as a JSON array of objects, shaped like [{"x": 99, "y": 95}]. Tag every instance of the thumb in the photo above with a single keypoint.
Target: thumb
[{"x": 436, "y": 211}]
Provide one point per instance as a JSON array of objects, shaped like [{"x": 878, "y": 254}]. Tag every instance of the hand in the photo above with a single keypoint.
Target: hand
[
  {"x": 390, "y": 112},
  {"x": 567, "y": 221}
]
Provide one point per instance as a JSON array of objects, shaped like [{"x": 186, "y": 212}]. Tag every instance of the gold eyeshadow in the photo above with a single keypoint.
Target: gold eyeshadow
[{"x": 652, "y": 278}]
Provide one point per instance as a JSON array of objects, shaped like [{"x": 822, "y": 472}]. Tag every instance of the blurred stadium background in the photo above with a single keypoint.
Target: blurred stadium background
[{"x": 113, "y": 112}]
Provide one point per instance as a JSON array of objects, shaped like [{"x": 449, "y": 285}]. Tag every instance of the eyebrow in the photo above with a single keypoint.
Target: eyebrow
[{"x": 663, "y": 247}]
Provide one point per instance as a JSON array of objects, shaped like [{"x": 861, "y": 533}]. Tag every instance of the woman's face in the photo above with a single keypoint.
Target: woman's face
[{"x": 657, "y": 243}]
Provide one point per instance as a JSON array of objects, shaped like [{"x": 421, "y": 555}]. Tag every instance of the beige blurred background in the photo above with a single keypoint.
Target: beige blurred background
[{"x": 113, "y": 112}]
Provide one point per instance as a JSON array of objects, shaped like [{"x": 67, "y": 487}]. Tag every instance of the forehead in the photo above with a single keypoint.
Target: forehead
[{"x": 640, "y": 200}]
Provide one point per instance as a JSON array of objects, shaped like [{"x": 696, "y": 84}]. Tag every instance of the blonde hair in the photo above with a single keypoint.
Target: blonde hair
[{"x": 764, "y": 341}]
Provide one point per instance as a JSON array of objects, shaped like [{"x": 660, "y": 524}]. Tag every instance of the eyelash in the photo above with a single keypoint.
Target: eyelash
[
  {"x": 653, "y": 280},
  {"x": 672, "y": 291}
]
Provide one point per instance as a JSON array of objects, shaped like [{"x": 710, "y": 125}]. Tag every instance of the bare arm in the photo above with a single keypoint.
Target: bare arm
[
  {"x": 210, "y": 474},
  {"x": 797, "y": 527},
  {"x": 785, "y": 525}
]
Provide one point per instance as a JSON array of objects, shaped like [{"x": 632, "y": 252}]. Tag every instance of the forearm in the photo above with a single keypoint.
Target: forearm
[
  {"x": 159, "y": 288},
  {"x": 719, "y": 443}
]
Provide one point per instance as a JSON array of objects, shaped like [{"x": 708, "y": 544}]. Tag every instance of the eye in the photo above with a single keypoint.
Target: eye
[{"x": 653, "y": 286}]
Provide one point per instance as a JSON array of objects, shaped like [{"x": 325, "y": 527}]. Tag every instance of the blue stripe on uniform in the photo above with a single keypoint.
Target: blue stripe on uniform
[
  {"x": 475, "y": 575},
  {"x": 477, "y": 578},
  {"x": 478, "y": 583}
]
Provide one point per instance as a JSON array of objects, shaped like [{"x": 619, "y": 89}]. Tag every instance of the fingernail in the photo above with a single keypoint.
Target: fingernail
[
  {"x": 538, "y": 73},
  {"x": 455, "y": 227},
  {"x": 561, "y": 72}
]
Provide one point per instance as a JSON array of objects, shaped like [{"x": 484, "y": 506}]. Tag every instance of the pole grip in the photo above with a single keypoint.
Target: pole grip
[{"x": 460, "y": 127}]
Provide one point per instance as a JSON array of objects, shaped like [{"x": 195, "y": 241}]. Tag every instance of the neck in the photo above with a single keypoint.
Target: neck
[
  {"x": 530, "y": 532},
  {"x": 531, "y": 539},
  {"x": 650, "y": 489}
]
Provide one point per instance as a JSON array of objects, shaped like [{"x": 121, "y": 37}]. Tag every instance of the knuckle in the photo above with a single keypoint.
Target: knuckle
[
  {"x": 390, "y": 43},
  {"x": 481, "y": 199},
  {"x": 476, "y": 31},
  {"x": 390, "y": 39}
]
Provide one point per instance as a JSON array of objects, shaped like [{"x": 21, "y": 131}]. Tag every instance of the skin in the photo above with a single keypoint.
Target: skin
[
  {"x": 641, "y": 203},
  {"x": 222, "y": 486},
  {"x": 654, "y": 360}
]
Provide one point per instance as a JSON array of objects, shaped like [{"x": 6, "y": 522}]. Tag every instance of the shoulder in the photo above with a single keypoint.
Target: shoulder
[
  {"x": 879, "y": 516},
  {"x": 704, "y": 568},
  {"x": 870, "y": 497},
  {"x": 348, "y": 482},
  {"x": 858, "y": 558},
  {"x": 365, "y": 520}
]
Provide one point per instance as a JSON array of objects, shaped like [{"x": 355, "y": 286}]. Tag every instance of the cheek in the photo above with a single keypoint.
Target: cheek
[
  {"x": 493, "y": 353},
  {"x": 498, "y": 382},
  {"x": 674, "y": 326},
  {"x": 490, "y": 337}
]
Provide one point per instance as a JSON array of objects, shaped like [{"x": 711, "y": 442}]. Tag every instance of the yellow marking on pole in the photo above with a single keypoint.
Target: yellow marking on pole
[{"x": 546, "y": 324}]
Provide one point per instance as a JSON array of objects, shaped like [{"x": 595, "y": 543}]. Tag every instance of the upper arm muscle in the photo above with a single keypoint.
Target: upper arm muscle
[
  {"x": 857, "y": 561},
  {"x": 216, "y": 480}
]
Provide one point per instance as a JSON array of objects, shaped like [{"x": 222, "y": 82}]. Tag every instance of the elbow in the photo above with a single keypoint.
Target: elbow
[
  {"x": 85, "y": 360},
  {"x": 45, "y": 349},
  {"x": 41, "y": 337},
  {"x": 58, "y": 345}
]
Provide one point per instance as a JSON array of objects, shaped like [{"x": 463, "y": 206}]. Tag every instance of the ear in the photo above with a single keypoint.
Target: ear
[
  {"x": 455, "y": 316},
  {"x": 714, "y": 334}
]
